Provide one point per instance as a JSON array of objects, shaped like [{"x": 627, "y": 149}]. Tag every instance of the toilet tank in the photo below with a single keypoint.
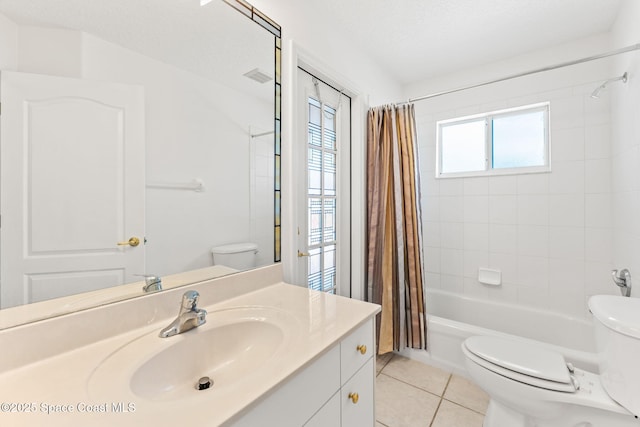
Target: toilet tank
[
  {"x": 241, "y": 256},
  {"x": 617, "y": 329}
]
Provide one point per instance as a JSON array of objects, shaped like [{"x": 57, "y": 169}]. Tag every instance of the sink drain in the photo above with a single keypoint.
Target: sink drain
[{"x": 204, "y": 383}]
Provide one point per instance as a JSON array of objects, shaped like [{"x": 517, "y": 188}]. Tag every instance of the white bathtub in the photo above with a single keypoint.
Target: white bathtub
[{"x": 452, "y": 318}]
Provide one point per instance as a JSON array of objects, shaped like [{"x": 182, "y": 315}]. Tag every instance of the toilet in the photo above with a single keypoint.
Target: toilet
[
  {"x": 532, "y": 386},
  {"x": 239, "y": 256}
]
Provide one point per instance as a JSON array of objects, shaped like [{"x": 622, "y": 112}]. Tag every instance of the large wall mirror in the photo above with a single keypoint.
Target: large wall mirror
[{"x": 135, "y": 136}]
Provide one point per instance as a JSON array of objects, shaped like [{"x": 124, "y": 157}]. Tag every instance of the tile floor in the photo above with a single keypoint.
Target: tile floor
[{"x": 412, "y": 394}]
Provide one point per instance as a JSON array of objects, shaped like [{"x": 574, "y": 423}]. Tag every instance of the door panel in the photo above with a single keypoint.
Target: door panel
[{"x": 72, "y": 185}]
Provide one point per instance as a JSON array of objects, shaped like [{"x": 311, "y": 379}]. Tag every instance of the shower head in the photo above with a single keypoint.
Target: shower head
[{"x": 596, "y": 93}]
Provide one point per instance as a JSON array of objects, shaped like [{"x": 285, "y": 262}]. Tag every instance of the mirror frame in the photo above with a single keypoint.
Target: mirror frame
[{"x": 268, "y": 24}]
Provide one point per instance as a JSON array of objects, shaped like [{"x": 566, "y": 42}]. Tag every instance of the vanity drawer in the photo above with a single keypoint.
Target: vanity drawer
[
  {"x": 356, "y": 349},
  {"x": 358, "y": 398}
]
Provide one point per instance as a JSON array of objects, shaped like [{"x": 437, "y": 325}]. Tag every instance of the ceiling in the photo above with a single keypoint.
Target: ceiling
[
  {"x": 416, "y": 39},
  {"x": 215, "y": 42},
  {"x": 411, "y": 40}
]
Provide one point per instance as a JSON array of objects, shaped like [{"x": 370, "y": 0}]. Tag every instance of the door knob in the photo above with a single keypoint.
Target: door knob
[
  {"x": 134, "y": 241},
  {"x": 301, "y": 254}
]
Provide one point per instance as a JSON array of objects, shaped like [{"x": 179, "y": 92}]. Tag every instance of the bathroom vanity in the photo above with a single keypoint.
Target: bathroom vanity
[{"x": 277, "y": 354}]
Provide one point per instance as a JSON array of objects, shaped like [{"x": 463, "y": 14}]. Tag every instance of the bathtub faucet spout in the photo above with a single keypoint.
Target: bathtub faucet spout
[{"x": 622, "y": 278}]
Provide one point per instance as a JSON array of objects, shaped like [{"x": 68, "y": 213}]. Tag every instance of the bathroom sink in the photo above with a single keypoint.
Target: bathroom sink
[{"x": 232, "y": 348}]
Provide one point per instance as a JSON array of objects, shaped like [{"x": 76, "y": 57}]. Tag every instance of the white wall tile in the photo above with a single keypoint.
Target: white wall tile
[
  {"x": 567, "y": 113},
  {"x": 451, "y": 186},
  {"x": 429, "y": 185},
  {"x": 533, "y": 240},
  {"x": 452, "y": 208},
  {"x": 567, "y": 144},
  {"x": 550, "y": 234},
  {"x": 597, "y": 279},
  {"x": 451, "y": 262},
  {"x": 597, "y": 142},
  {"x": 598, "y": 210},
  {"x": 430, "y": 208},
  {"x": 567, "y": 243},
  {"x": 476, "y": 186},
  {"x": 476, "y": 237},
  {"x": 503, "y": 209},
  {"x": 503, "y": 238},
  {"x": 567, "y": 275},
  {"x": 507, "y": 264},
  {"x": 533, "y": 183},
  {"x": 598, "y": 176},
  {"x": 567, "y": 178},
  {"x": 473, "y": 260},
  {"x": 451, "y": 235},
  {"x": 533, "y": 272},
  {"x": 598, "y": 244},
  {"x": 431, "y": 259},
  {"x": 452, "y": 283},
  {"x": 432, "y": 280},
  {"x": 431, "y": 233},
  {"x": 503, "y": 184},
  {"x": 476, "y": 209},
  {"x": 597, "y": 111},
  {"x": 567, "y": 209},
  {"x": 533, "y": 209}
]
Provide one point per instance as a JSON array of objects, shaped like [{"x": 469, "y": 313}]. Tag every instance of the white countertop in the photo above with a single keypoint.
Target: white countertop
[{"x": 61, "y": 383}]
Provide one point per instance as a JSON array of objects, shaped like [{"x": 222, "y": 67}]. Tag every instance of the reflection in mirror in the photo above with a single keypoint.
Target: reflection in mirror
[{"x": 136, "y": 139}]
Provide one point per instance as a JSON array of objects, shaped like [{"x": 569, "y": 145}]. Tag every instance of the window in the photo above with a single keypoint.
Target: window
[{"x": 500, "y": 142}]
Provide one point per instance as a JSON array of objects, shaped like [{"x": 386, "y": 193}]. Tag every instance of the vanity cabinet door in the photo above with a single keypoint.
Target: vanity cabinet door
[
  {"x": 328, "y": 415},
  {"x": 358, "y": 398},
  {"x": 356, "y": 349},
  {"x": 295, "y": 401}
]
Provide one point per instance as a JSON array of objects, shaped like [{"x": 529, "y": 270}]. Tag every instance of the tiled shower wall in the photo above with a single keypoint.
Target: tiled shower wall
[
  {"x": 550, "y": 234},
  {"x": 625, "y": 110}
]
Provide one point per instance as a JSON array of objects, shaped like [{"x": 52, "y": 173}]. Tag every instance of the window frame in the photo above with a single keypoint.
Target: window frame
[{"x": 488, "y": 118}]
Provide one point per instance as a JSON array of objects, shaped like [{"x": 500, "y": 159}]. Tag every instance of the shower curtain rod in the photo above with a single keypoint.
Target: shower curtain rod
[{"x": 526, "y": 73}]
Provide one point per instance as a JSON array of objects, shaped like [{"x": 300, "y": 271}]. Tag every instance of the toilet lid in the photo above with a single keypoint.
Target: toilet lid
[{"x": 522, "y": 358}]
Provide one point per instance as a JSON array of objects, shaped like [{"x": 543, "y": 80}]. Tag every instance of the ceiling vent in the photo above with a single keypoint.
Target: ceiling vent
[{"x": 258, "y": 75}]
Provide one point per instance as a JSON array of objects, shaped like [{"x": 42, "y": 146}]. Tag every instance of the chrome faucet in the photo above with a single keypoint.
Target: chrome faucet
[
  {"x": 622, "y": 278},
  {"x": 152, "y": 284},
  {"x": 189, "y": 316}
]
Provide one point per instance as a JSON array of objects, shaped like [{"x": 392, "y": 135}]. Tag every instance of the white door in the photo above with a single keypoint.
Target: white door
[
  {"x": 322, "y": 150},
  {"x": 71, "y": 186}
]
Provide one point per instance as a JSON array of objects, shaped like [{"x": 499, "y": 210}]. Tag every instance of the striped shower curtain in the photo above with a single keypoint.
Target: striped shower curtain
[{"x": 394, "y": 253}]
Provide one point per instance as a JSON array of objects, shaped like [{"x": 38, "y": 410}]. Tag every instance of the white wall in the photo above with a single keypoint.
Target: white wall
[
  {"x": 625, "y": 145},
  {"x": 310, "y": 27},
  {"x": 550, "y": 234},
  {"x": 8, "y": 44},
  {"x": 195, "y": 128}
]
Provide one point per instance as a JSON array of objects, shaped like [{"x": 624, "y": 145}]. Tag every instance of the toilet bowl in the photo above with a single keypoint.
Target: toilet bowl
[{"x": 531, "y": 386}]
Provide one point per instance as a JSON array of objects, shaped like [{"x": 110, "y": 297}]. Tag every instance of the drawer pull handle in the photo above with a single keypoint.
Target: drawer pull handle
[
  {"x": 354, "y": 397},
  {"x": 362, "y": 348}
]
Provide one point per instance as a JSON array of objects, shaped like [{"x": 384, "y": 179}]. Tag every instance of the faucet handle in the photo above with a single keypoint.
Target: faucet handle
[{"x": 190, "y": 300}]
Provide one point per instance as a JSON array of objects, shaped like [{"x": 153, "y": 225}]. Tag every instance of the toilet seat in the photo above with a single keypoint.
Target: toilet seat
[{"x": 521, "y": 362}]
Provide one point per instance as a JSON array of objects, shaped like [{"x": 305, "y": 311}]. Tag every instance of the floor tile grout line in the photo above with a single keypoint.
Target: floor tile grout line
[
  {"x": 385, "y": 364},
  {"x": 465, "y": 407},
  {"x": 435, "y": 414},
  {"x": 413, "y": 385}
]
